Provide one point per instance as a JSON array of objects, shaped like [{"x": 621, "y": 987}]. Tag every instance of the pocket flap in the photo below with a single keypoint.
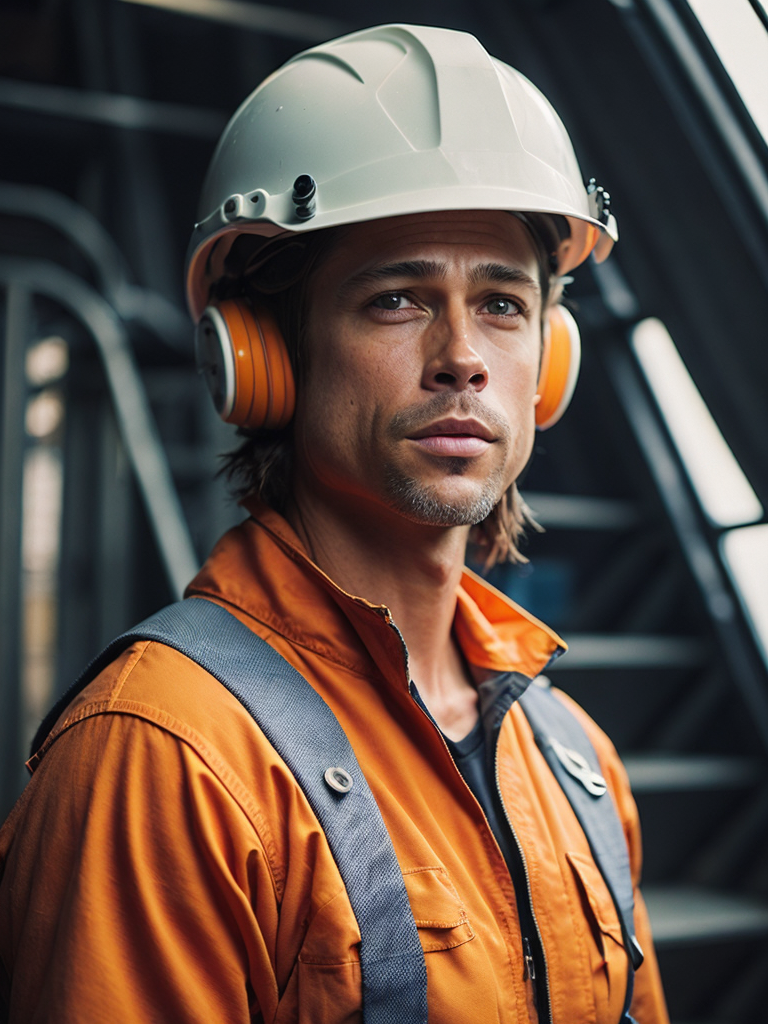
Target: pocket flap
[
  {"x": 437, "y": 909},
  {"x": 598, "y": 896}
]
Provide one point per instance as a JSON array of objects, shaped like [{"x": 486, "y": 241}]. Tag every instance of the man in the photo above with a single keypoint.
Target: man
[{"x": 399, "y": 208}]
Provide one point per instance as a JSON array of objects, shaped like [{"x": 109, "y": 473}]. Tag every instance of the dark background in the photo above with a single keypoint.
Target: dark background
[{"x": 109, "y": 112}]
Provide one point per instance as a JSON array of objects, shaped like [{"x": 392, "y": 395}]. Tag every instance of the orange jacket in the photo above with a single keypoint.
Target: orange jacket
[{"x": 163, "y": 865}]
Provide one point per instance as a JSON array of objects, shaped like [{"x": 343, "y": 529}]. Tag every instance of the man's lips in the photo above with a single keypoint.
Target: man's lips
[{"x": 457, "y": 437}]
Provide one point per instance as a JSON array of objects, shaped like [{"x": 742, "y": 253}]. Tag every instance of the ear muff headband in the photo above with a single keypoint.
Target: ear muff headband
[
  {"x": 245, "y": 362},
  {"x": 560, "y": 363}
]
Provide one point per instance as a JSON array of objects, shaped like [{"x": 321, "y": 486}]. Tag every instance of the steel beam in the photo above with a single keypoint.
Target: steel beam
[
  {"x": 12, "y": 445},
  {"x": 675, "y": 494},
  {"x": 112, "y": 110},
  {"x": 253, "y": 17}
]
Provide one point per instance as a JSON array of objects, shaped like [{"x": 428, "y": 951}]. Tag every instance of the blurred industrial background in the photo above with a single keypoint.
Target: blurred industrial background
[{"x": 654, "y": 563}]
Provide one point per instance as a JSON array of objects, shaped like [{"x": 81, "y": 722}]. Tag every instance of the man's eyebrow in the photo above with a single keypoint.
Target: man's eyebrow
[
  {"x": 418, "y": 269},
  {"x": 501, "y": 273}
]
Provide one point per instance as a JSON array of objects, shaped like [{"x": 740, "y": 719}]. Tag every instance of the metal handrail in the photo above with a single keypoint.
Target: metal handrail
[
  {"x": 134, "y": 415},
  {"x": 684, "y": 515},
  {"x": 105, "y": 261}
]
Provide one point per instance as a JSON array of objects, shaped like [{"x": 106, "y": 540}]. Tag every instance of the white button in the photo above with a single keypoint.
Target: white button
[{"x": 338, "y": 779}]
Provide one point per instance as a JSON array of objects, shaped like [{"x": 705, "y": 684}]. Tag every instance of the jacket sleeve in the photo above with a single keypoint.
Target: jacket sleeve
[
  {"x": 134, "y": 886},
  {"x": 648, "y": 1002}
]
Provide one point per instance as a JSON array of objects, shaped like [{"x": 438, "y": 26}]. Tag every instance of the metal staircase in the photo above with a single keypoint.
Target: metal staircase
[{"x": 647, "y": 661}]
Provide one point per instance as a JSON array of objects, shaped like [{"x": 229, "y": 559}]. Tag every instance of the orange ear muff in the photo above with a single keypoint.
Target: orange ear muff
[
  {"x": 243, "y": 357},
  {"x": 560, "y": 362}
]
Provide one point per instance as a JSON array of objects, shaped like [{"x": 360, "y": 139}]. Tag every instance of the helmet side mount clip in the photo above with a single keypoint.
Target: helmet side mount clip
[
  {"x": 599, "y": 201},
  {"x": 304, "y": 193},
  {"x": 600, "y": 209}
]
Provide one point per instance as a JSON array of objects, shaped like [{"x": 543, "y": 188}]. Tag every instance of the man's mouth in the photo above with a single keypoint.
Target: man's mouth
[{"x": 454, "y": 436}]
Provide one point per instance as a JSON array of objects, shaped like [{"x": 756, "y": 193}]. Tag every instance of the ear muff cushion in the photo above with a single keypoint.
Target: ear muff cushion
[
  {"x": 261, "y": 392},
  {"x": 215, "y": 360},
  {"x": 560, "y": 363}
]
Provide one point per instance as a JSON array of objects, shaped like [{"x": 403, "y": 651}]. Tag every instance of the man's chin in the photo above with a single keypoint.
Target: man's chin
[{"x": 431, "y": 506}]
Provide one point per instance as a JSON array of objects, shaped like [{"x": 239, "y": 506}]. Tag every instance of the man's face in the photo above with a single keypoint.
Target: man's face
[{"x": 423, "y": 345}]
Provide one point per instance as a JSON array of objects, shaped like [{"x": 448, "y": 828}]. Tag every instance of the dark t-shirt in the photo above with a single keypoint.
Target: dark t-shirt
[{"x": 475, "y": 762}]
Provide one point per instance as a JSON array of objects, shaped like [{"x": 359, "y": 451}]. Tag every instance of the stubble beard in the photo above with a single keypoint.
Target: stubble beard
[{"x": 422, "y": 503}]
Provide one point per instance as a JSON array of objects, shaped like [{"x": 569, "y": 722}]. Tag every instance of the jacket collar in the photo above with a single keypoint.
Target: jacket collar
[{"x": 262, "y": 569}]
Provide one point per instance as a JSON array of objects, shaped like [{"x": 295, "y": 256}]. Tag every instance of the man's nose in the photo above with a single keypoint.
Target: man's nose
[{"x": 453, "y": 359}]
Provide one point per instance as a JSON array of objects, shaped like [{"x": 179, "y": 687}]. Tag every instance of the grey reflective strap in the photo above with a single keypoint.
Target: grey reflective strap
[
  {"x": 307, "y": 735},
  {"x": 572, "y": 758}
]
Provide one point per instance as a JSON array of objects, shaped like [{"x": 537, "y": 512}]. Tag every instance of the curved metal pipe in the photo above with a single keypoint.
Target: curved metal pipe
[
  {"x": 105, "y": 261},
  {"x": 134, "y": 416}
]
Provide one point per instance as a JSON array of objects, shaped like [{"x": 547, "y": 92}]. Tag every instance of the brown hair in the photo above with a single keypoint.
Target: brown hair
[{"x": 278, "y": 275}]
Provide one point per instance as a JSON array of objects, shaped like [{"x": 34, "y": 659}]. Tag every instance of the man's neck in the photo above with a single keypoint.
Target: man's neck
[{"x": 412, "y": 569}]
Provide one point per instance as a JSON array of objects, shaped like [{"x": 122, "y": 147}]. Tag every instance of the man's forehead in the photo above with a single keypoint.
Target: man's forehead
[{"x": 481, "y": 244}]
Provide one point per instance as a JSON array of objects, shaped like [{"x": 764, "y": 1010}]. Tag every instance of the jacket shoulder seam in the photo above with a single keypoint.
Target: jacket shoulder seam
[{"x": 206, "y": 752}]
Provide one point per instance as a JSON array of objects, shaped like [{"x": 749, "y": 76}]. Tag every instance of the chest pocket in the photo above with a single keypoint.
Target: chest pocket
[
  {"x": 608, "y": 956},
  {"x": 324, "y": 987},
  {"x": 441, "y": 919},
  {"x": 439, "y": 914}
]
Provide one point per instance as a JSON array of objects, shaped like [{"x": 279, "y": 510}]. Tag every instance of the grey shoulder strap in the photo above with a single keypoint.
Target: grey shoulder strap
[
  {"x": 307, "y": 735},
  {"x": 572, "y": 758}
]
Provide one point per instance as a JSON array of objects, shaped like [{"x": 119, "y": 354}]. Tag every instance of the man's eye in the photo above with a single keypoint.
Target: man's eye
[
  {"x": 502, "y": 307},
  {"x": 392, "y": 300}
]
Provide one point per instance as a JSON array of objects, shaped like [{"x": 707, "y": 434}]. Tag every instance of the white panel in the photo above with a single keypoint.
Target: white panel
[
  {"x": 719, "y": 481},
  {"x": 741, "y": 42}
]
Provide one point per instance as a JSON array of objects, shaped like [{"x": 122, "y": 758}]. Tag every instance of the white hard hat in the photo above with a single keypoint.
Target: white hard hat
[{"x": 392, "y": 120}]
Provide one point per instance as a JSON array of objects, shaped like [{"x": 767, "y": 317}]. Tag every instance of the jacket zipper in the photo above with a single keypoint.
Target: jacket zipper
[
  {"x": 530, "y": 970},
  {"x": 406, "y": 666},
  {"x": 528, "y": 961}
]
